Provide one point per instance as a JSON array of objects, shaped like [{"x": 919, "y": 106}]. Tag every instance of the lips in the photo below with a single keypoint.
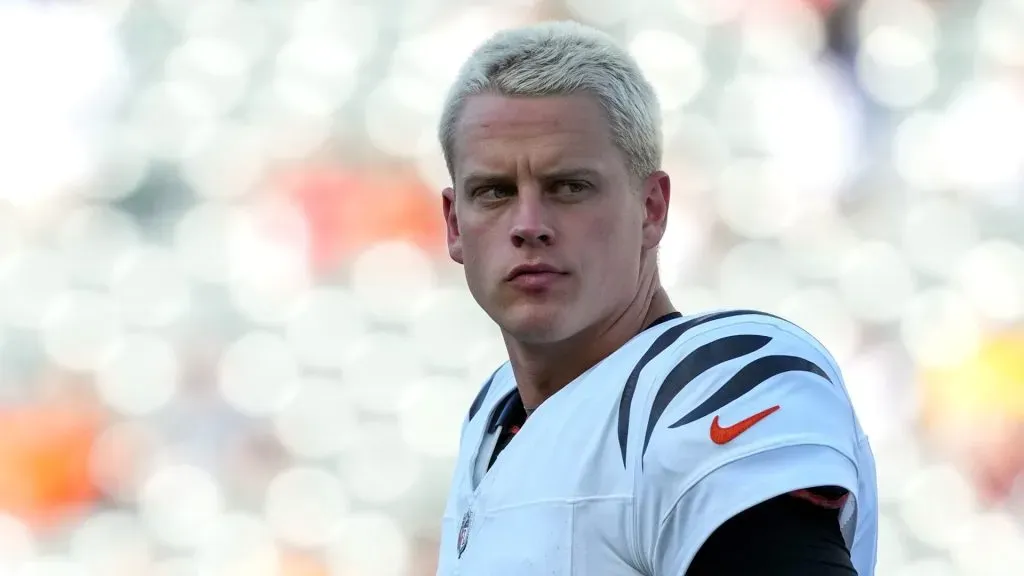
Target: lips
[
  {"x": 537, "y": 278},
  {"x": 530, "y": 269}
]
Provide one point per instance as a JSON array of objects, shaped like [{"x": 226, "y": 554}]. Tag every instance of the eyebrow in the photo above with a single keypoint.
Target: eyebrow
[
  {"x": 474, "y": 179},
  {"x": 572, "y": 174}
]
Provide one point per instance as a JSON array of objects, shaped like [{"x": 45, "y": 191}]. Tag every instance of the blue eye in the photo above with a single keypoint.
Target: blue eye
[
  {"x": 494, "y": 192},
  {"x": 572, "y": 187}
]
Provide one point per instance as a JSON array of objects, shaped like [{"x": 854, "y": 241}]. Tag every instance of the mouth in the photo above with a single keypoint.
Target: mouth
[
  {"x": 535, "y": 278},
  {"x": 538, "y": 270}
]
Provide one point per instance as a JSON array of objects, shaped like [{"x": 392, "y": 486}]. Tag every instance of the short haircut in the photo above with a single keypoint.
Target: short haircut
[{"x": 562, "y": 59}]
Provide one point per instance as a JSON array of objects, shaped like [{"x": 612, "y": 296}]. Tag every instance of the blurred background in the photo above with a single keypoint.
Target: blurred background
[{"x": 231, "y": 342}]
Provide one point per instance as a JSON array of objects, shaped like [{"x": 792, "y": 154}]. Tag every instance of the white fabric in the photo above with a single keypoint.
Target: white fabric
[{"x": 560, "y": 501}]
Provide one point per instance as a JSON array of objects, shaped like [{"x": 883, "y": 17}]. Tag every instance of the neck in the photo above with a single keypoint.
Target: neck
[{"x": 543, "y": 369}]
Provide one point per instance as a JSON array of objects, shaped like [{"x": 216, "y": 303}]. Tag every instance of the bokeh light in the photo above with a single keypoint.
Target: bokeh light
[
  {"x": 17, "y": 544},
  {"x": 392, "y": 280},
  {"x": 876, "y": 282},
  {"x": 319, "y": 421},
  {"x": 150, "y": 287},
  {"x": 325, "y": 325},
  {"x": 80, "y": 329},
  {"x": 112, "y": 543},
  {"x": 677, "y": 80},
  {"x": 982, "y": 138},
  {"x": 306, "y": 507},
  {"x": 258, "y": 374},
  {"x": 181, "y": 505},
  {"x": 431, "y": 417},
  {"x": 224, "y": 292},
  {"x": 139, "y": 375},
  {"x": 240, "y": 544},
  {"x": 370, "y": 542},
  {"x": 382, "y": 468},
  {"x": 992, "y": 276}
]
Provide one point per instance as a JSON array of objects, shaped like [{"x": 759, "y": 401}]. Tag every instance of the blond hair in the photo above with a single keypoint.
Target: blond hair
[{"x": 560, "y": 59}]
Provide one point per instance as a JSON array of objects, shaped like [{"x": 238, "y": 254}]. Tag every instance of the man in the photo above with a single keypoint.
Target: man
[{"x": 623, "y": 437}]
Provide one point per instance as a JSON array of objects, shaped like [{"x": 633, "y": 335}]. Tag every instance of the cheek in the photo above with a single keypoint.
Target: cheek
[
  {"x": 619, "y": 230},
  {"x": 475, "y": 267},
  {"x": 479, "y": 246},
  {"x": 611, "y": 250}
]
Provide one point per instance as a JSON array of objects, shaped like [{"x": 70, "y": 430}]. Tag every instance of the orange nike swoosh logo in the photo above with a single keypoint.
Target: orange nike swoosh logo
[{"x": 720, "y": 435}]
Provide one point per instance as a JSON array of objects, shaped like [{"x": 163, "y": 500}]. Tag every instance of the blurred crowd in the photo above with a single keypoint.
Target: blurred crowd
[{"x": 231, "y": 342}]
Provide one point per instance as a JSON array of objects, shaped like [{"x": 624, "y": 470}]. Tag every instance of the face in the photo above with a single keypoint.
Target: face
[{"x": 554, "y": 233}]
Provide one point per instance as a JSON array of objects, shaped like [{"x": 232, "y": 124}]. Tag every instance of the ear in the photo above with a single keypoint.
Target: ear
[
  {"x": 451, "y": 223},
  {"x": 657, "y": 191}
]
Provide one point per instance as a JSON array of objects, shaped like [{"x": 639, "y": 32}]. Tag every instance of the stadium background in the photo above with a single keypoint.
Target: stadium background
[{"x": 231, "y": 342}]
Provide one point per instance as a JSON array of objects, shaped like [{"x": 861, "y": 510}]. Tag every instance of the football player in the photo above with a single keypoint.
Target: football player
[{"x": 622, "y": 437}]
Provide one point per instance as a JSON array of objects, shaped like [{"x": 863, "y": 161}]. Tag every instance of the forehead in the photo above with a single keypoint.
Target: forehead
[{"x": 505, "y": 134}]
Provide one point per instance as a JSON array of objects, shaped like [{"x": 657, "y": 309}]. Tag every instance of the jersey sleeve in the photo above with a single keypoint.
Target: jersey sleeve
[{"x": 764, "y": 414}]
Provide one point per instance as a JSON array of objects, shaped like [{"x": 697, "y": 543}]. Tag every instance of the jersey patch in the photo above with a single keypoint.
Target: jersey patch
[
  {"x": 463, "y": 539},
  {"x": 659, "y": 346}
]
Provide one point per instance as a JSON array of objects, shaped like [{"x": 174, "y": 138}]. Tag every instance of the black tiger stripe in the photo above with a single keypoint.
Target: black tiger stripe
[
  {"x": 696, "y": 363},
  {"x": 659, "y": 346},
  {"x": 749, "y": 377},
  {"x": 479, "y": 400},
  {"x": 626, "y": 401}
]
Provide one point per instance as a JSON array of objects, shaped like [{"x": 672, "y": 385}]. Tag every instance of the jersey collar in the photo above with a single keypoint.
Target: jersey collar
[{"x": 510, "y": 409}]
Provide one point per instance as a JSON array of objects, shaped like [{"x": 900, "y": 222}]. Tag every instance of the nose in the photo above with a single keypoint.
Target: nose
[
  {"x": 532, "y": 237},
  {"x": 530, "y": 227}
]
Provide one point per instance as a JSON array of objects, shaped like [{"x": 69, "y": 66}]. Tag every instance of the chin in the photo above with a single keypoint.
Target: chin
[{"x": 536, "y": 324}]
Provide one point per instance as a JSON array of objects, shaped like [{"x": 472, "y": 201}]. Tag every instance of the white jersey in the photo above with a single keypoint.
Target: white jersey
[{"x": 632, "y": 466}]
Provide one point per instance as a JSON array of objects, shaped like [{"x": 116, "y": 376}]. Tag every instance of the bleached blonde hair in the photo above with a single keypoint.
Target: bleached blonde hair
[{"x": 561, "y": 59}]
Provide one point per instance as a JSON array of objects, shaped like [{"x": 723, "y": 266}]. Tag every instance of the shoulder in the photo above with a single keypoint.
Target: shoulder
[
  {"x": 733, "y": 332},
  {"x": 729, "y": 355},
  {"x": 720, "y": 373},
  {"x": 717, "y": 356},
  {"x": 741, "y": 407}
]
